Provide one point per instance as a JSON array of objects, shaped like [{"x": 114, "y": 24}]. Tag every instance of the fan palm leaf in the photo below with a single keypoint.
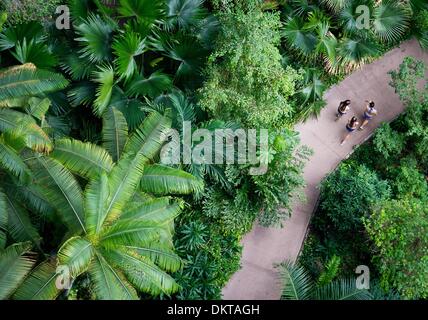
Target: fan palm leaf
[
  {"x": 298, "y": 38},
  {"x": 76, "y": 66},
  {"x": 95, "y": 37},
  {"x": 14, "y": 34},
  {"x": 146, "y": 12},
  {"x": 184, "y": 13},
  {"x": 156, "y": 84},
  {"x": 335, "y": 5},
  {"x": 36, "y": 53},
  {"x": 126, "y": 48},
  {"x": 391, "y": 20},
  {"x": 105, "y": 77}
]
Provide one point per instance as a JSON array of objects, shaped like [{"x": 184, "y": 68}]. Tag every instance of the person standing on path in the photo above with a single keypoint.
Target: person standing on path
[
  {"x": 351, "y": 126},
  {"x": 369, "y": 113},
  {"x": 343, "y": 108}
]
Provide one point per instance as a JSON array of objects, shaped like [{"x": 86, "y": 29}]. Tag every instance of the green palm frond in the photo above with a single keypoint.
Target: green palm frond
[
  {"x": 344, "y": 289},
  {"x": 85, "y": 159},
  {"x": 38, "y": 107},
  {"x": 31, "y": 195},
  {"x": 296, "y": 282},
  {"x": 61, "y": 189},
  {"x": 418, "y": 5},
  {"x": 153, "y": 280},
  {"x": 115, "y": 132},
  {"x": 313, "y": 89},
  {"x": 96, "y": 196},
  {"x": 15, "y": 34},
  {"x": 109, "y": 283},
  {"x": 186, "y": 50},
  {"x": 95, "y": 37},
  {"x": 76, "y": 253},
  {"x": 182, "y": 108},
  {"x": 298, "y": 37},
  {"x": 331, "y": 269},
  {"x": 15, "y": 264},
  {"x": 208, "y": 30},
  {"x": 326, "y": 42},
  {"x": 26, "y": 80},
  {"x": 146, "y": 11},
  {"x": 19, "y": 226},
  {"x": 157, "y": 210},
  {"x": 161, "y": 255},
  {"x": 105, "y": 77},
  {"x": 123, "y": 182},
  {"x": 356, "y": 50},
  {"x": 126, "y": 48},
  {"x": 24, "y": 126},
  {"x": 40, "y": 284},
  {"x": 149, "y": 137},
  {"x": 133, "y": 233},
  {"x": 3, "y": 19},
  {"x": 184, "y": 13},
  {"x": 156, "y": 84},
  {"x": 134, "y": 111},
  {"x": 162, "y": 180},
  {"x": 36, "y": 53},
  {"x": 391, "y": 20},
  {"x": 3, "y": 219},
  {"x": 82, "y": 93},
  {"x": 11, "y": 161},
  {"x": 335, "y": 5},
  {"x": 76, "y": 66}
]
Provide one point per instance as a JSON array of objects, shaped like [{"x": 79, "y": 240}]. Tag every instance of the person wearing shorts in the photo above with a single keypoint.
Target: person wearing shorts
[
  {"x": 342, "y": 109},
  {"x": 369, "y": 113},
  {"x": 351, "y": 126}
]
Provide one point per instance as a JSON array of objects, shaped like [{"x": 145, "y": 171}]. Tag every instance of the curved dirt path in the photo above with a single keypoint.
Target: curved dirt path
[{"x": 264, "y": 247}]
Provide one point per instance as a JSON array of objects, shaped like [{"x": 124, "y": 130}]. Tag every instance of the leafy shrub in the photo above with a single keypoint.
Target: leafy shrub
[
  {"x": 348, "y": 194},
  {"x": 246, "y": 80},
  {"x": 388, "y": 142},
  {"x": 20, "y": 11},
  {"x": 399, "y": 230},
  {"x": 410, "y": 182}
]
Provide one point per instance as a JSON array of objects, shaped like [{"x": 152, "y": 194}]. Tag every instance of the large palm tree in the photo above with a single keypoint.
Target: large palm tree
[
  {"x": 120, "y": 232},
  {"x": 297, "y": 285}
]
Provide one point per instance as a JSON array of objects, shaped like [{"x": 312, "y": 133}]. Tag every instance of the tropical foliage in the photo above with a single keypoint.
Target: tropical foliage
[{"x": 85, "y": 113}]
